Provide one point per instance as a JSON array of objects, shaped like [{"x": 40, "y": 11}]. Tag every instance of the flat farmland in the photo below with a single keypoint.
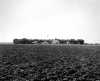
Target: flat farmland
[{"x": 49, "y": 62}]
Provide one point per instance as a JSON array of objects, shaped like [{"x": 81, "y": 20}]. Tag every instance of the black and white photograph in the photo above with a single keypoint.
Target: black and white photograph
[{"x": 49, "y": 40}]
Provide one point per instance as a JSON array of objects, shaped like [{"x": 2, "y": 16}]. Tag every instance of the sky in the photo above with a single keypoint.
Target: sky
[{"x": 49, "y": 19}]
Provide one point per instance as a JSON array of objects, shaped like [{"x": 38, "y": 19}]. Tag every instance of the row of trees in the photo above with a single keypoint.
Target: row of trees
[{"x": 49, "y": 41}]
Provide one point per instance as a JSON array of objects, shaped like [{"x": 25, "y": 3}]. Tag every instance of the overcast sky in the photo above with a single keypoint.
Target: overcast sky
[{"x": 45, "y": 19}]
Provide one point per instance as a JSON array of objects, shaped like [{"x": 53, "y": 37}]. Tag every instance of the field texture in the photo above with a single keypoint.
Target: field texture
[{"x": 49, "y": 63}]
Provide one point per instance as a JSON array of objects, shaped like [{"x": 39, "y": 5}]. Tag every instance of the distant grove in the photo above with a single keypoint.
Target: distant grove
[{"x": 49, "y": 41}]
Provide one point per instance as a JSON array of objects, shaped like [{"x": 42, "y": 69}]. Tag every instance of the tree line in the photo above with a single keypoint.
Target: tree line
[{"x": 48, "y": 41}]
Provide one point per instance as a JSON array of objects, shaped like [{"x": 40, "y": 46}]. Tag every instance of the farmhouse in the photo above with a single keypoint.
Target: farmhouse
[{"x": 55, "y": 41}]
